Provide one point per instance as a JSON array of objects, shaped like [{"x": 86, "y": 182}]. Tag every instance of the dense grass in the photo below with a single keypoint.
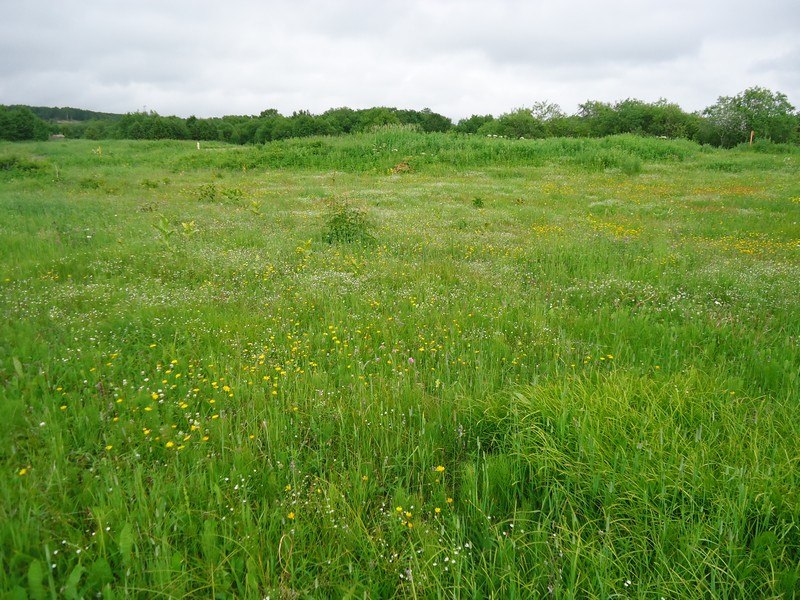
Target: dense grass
[{"x": 557, "y": 368}]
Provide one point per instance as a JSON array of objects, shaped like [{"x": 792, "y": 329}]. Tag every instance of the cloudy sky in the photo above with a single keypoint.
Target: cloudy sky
[{"x": 456, "y": 57}]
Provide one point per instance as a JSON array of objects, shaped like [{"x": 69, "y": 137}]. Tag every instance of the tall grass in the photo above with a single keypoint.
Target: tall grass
[{"x": 584, "y": 385}]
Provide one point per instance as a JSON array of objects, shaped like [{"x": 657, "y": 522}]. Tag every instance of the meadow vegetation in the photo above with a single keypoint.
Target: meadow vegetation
[{"x": 396, "y": 364}]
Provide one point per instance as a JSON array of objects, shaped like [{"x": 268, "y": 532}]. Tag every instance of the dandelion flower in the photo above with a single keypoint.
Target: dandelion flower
[
  {"x": 22, "y": 471},
  {"x": 170, "y": 444},
  {"x": 440, "y": 469},
  {"x": 290, "y": 516}
]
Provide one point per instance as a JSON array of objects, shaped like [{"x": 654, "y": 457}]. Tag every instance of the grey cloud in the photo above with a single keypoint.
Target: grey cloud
[{"x": 212, "y": 58}]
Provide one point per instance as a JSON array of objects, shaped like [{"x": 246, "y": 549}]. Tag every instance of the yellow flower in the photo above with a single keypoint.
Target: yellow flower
[
  {"x": 154, "y": 396},
  {"x": 22, "y": 471},
  {"x": 170, "y": 444},
  {"x": 109, "y": 447},
  {"x": 364, "y": 478},
  {"x": 439, "y": 469},
  {"x": 290, "y": 516},
  {"x": 437, "y": 510},
  {"x": 449, "y": 500}
]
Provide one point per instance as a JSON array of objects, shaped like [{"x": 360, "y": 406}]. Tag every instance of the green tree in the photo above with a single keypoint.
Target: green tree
[
  {"x": 519, "y": 123},
  {"x": 731, "y": 119},
  {"x": 431, "y": 121},
  {"x": 377, "y": 117},
  {"x": 473, "y": 123},
  {"x": 18, "y": 123},
  {"x": 341, "y": 120},
  {"x": 597, "y": 118}
]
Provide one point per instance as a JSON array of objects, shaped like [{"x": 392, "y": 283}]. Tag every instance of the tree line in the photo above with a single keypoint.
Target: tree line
[{"x": 726, "y": 123}]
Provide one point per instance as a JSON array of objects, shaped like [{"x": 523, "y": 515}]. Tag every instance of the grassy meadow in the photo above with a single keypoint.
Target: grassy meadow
[{"x": 396, "y": 365}]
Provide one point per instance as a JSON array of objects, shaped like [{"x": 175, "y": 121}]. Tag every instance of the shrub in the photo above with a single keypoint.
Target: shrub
[{"x": 346, "y": 223}]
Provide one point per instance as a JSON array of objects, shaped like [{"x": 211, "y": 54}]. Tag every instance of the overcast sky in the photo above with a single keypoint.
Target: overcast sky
[{"x": 456, "y": 57}]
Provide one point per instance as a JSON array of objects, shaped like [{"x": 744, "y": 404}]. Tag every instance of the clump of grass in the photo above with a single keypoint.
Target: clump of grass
[
  {"x": 346, "y": 223},
  {"x": 19, "y": 164},
  {"x": 207, "y": 193},
  {"x": 600, "y": 159}
]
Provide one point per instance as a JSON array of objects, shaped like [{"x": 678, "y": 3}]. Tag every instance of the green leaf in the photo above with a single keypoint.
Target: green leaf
[
  {"x": 126, "y": 543},
  {"x": 251, "y": 578},
  {"x": 100, "y": 573},
  {"x": 71, "y": 586},
  {"x": 35, "y": 576},
  {"x": 208, "y": 541},
  {"x": 17, "y": 367},
  {"x": 17, "y": 593}
]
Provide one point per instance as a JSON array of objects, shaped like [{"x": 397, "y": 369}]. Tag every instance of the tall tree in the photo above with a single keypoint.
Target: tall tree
[{"x": 731, "y": 119}]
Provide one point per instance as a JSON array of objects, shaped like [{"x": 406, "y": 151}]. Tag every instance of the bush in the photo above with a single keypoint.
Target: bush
[{"x": 346, "y": 223}]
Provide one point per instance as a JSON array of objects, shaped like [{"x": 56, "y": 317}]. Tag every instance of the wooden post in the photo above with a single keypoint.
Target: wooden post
[{"x": 752, "y": 135}]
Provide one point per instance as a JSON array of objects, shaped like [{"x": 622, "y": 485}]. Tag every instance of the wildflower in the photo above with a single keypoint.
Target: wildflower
[
  {"x": 439, "y": 469},
  {"x": 154, "y": 396},
  {"x": 290, "y": 516},
  {"x": 22, "y": 471},
  {"x": 109, "y": 447},
  {"x": 170, "y": 444},
  {"x": 364, "y": 478},
  {"x": 449, "y": 500},
  {"x": 437, "y": 510}
]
